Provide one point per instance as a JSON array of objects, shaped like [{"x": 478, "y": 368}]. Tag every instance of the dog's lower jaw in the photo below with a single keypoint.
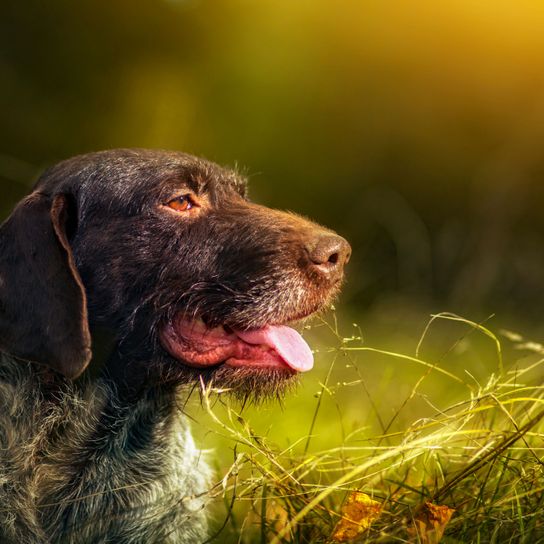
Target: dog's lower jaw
[{"x": 97, "y": 453}]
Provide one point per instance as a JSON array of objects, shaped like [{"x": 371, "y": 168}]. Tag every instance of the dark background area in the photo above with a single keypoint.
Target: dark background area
[{"x": 415, "y": 129}]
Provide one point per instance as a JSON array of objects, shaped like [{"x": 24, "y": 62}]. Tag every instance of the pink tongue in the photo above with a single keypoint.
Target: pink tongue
[{"x": 286, "y": 341}]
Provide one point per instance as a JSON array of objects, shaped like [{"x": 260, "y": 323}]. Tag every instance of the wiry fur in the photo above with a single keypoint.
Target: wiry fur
[
  {"x": 94, "y": 249},
  {"x": 78, "y": 464}
]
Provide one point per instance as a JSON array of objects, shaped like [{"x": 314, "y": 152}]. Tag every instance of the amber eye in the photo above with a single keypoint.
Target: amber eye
[{"x": 181, "y": 203}]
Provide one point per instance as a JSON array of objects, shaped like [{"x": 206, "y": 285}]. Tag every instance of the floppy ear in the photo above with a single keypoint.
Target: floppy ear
[{"x": 43, "y": 308}]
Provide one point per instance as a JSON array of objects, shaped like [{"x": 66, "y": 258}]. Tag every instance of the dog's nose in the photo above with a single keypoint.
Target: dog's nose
[{"x": 329, "y": 253}]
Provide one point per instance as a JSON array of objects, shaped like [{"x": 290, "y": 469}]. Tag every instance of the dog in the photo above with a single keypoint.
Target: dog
[{"x": 161, "y": 258}]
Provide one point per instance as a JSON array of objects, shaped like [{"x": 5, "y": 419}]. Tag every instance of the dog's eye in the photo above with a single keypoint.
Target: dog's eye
[{"x": 181, "y": 203}]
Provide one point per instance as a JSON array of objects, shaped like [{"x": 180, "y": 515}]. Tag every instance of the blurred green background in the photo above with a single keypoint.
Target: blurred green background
[{"x": 415, "y": 129}]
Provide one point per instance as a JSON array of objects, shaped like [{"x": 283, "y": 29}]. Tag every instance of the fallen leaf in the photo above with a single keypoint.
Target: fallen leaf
[
  {"x": 277, "y": 517},
  {"x": 430, "y": 522},
  {"x": 358, "y": 513}
]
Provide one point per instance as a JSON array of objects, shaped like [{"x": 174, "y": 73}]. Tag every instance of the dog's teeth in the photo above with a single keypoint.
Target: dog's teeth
[
  {"x": 217, "y": 331},
  {"x": 199, "y": 325}
]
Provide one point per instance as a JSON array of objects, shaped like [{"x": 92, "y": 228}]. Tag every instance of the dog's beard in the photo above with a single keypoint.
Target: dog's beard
[
  {"x": 251, "y": 383},
  {"x": 241, "y": 383}
]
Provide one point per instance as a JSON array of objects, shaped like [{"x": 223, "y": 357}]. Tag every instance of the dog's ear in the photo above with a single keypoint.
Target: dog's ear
[{"x": 43, "y": 308}]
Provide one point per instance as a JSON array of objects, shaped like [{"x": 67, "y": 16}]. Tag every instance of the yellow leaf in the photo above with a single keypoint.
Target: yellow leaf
[
  {"x": 358, "y": 513},
  {"x": 430, "y": 522},
  {"x": 277, "y": 517}
]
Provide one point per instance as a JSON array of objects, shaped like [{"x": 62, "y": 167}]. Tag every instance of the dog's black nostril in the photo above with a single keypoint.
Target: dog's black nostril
[
  {"x": 329, "y": 253},
  {"x": 333, "y": 259}
]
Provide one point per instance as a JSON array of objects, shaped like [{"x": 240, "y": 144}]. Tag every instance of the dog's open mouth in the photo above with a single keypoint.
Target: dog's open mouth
[{"x": 273, "y": 346}]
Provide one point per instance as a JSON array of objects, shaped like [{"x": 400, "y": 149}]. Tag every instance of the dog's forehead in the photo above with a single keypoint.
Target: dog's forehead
[{"x": 129, "y": 174}]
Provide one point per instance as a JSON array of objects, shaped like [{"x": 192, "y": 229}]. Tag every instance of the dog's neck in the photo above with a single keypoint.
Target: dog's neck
[
  {"x": 75, "y": 433},
  {"x": 129, "y": 376}
]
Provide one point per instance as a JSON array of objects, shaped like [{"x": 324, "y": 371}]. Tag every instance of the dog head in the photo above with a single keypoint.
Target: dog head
[{"x": 166, "y": 251}]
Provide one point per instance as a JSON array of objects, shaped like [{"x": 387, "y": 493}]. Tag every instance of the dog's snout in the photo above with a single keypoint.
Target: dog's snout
[{"x": 329, "y": 253}]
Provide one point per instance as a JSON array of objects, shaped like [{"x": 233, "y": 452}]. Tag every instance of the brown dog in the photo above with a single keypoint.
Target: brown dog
[{"x": 191, "y": 281}]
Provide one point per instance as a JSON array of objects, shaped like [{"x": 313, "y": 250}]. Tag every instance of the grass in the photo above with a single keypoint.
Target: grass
[{"x": 458, "y": 423}]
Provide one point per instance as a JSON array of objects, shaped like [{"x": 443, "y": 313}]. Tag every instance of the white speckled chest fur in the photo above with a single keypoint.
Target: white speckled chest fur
[{"x": 79, "y": 466}]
